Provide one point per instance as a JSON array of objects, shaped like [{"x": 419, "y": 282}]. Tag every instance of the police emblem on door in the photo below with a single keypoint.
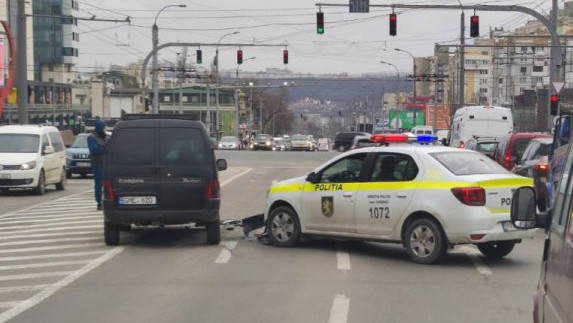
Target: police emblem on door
[{"x": 327, "y": 206}]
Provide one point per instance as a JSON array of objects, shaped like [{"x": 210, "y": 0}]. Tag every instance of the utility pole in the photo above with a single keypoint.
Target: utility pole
[
  {"x": 237, "y": 112},
  {"x": 462, "y": 77},
  {"x": 208, "y": 117},
  {"x": 22, "y": 64},
  {"x": 555, "y": 56}
]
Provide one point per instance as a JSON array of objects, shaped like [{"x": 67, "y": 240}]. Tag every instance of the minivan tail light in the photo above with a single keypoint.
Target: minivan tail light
[
  {"x": 473, "y": 196},
  {"x": 507, "y": 161},
  {"x": 542, "y": 167},
  {"x": 108, "y": 190},
  {"x": 213, "y": 189}
]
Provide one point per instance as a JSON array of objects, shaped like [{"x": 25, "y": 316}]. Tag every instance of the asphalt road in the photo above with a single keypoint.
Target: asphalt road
[{"x": 170, "y": 275}]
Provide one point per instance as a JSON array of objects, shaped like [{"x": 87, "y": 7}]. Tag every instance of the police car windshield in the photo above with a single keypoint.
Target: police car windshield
[{"x": 468, "y": 163}]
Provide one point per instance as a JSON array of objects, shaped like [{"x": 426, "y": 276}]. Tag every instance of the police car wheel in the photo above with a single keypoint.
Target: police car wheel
[
  {"x": 425, "y": 242},
  {"x": 497, "y": 249},
  {"x": 283, "y": 227}
]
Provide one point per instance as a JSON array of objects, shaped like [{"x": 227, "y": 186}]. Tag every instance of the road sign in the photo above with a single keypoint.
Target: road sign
[
  {"x": 359, "y": 5},
  {"x": 558, "y": 86}
]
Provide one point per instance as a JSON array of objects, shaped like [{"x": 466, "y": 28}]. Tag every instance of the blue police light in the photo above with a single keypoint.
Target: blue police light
[{"x": 424, "y": 139}]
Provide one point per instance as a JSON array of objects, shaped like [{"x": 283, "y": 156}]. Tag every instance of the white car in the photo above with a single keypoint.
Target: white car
[
  {"x": 32, "y": 157},
  {"x": 229, "y": 142},
  {"x": 428, "y": 198},
  {"x": 323, "y": 144}
]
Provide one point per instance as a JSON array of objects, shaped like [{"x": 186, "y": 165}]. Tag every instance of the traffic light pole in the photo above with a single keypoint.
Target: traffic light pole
[
  {"x": 462, "y": 50},
  {"x": 556, "y": 59}
]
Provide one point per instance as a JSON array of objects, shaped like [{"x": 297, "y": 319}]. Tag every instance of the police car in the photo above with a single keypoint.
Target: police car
[{"x": 428, "y": 198}]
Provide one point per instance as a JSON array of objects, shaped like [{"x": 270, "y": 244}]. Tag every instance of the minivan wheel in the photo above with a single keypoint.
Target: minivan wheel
[
  {"x": 111, "y": 233},
  {"x": 425, "y": 242},
  {"x": 341, "y": 149},
  {"x": 41, "y": 188},
  {"x": 213, "y": 232},
  {"x": 496, "y": 249},
  {"x": 283, "y": 227},
  {"x": 62, "y": 184}
]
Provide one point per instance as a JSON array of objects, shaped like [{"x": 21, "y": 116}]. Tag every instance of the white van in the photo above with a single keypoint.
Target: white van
[
  {"x": 32, "y": 156},
  {"x": 480, "y": 121},
  {"x": 423, "y": 130}
]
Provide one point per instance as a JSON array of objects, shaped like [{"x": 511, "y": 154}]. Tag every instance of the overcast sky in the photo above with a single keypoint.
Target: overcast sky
[{"x": 352, "y": 43}]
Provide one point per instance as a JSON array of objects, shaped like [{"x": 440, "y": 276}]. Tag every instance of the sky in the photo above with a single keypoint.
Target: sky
[{"x": 352, "y": 43}]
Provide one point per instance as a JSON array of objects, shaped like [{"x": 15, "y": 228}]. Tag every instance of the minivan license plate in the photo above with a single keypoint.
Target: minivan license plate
[{"x": 137, "y": 200}]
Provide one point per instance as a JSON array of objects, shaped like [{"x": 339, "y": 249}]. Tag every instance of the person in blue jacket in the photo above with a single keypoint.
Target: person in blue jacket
[{"x": 96, "y": 145}]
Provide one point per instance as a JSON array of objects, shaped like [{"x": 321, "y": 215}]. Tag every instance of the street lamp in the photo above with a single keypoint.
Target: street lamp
[
  {"x": 237, "y": 72},
  {"x": 217, "y": 51},
  {"x": 155, "y": 42},
  {"x": 414, "y": 65},
  {"x": 217, "y": 114},
  {"x": 396, "y": 67}
]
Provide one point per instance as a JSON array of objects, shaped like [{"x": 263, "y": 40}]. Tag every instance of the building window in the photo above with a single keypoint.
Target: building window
[
  {"x": 483, "y": 81},
  {"x": 483, "y": 90},
  {"x": 185, "y": 98},
  {"x": 75, "y": 36},
  {"x": 500, "y": 81},
  {"x": 68, "y": 51},
  {"x": 51, "y": 67},
  {"x": 523, "y": 79},
  {"x": 167, "y": 98},
  {"x": 75, "y": 5},
  {"x": 523, "y": 69},
  {"x": 538, "y": 68},
  {"x": 68, "y": 67},
  {"x": 194, "y": 98},
  {"x": 483, "y": 72}
]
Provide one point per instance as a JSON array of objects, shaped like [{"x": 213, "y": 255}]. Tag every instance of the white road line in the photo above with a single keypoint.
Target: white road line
[
  {"x": 45, "y": 241},
  {"x": 16, "y": 289},
  {"x": 54, "y": 255},
  {"x": 11, "y": 234},
  {"x": 47, "y": 220},
  {"x": 23, "y": 306},
  {"x": 49, "y": 212},
  {"x": 66, "y": 208},
  {"x": 8, "y": 304},
  {"x": 58, "y": 234},
  {"x": 225, "y": 254},
  {"x": 36, "y": 275},
  {"x": 45, "y": 264},
  {"x": 343, "y": 260},
  {"x": 49, "y": 225},
  {"x": 73, "y": 246},
  {"x": 235, "y": 177},
  {"x": 475, "y": 257},
  {"x": 339, "y": 310},
  {"x": 33, "y": 216},
  {"x": 36, "y": 205}
]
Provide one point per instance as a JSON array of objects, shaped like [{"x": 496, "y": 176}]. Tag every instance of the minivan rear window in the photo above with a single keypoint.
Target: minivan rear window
[
  {"x": 135, "y": 146},
  {"x": 468, "y": 163},
  {"x": 183, "y": 146},
  {"x": 519, "y": 146}
]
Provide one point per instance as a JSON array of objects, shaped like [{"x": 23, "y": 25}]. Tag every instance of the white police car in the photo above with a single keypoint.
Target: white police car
[{"x": 428, "y": 198}]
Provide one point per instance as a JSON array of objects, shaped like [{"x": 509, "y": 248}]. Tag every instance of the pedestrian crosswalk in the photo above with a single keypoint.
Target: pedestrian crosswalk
[{"x": 45, "y": 247}]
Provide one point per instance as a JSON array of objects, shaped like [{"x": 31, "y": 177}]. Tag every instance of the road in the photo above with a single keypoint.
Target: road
[{"x": 170, "y": 275}]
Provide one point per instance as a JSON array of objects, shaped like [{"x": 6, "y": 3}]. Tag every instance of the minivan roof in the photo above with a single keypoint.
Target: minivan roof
[
  {"x": 28, "y": 129},
  {"x": 155, "y": 123}
]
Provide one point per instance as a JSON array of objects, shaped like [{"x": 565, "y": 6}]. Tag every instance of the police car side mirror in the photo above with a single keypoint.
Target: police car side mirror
[
  {"x": 312, "y": 177},
  {"x": 523, "y": 210}
]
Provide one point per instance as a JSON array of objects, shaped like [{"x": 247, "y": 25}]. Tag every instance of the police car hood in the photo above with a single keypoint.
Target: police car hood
[{"x": 295, "y": 180}]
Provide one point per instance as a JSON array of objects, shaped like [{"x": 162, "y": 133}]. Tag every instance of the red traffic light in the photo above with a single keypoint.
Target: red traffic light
[
  {"x": 474, "y": 26},
  {"x": 240, "y": 56},
  {"x": 393, "y": 17},
  {"x": 475, "y": 19},
  {"x": 285, "y": 56},
  {"x": 393, "y": 24},
  {"x": 554, "y": 98}
]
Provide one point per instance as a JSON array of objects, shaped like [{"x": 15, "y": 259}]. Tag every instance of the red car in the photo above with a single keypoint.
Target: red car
[{"x": 511, "y": 147}]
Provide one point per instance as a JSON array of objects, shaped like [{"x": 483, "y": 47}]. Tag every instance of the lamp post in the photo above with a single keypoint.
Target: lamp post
[
  {"x": 413, "y": 77},
  {"x": 237, "y": 71},
  {"x": 217, "y": 114},
  {"x": 397, "y": 116},
  {"x": 155, "y": 40}
]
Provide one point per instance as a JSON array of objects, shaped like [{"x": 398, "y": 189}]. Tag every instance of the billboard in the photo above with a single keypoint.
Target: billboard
[{"x": 405, "y": 119}]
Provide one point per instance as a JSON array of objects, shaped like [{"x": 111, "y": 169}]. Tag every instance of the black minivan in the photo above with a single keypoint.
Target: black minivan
[
  {"x": 344, "y": 140},
  {"x": 160, "y": 171}
]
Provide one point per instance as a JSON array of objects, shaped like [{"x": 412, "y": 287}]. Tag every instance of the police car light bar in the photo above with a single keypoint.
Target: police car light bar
[
  {"x": 426, "y": 138},
  {"x": 388, "y": 138}
]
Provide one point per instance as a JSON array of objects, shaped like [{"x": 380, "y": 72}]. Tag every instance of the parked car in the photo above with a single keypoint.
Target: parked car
[
  {"x": 262, "y": 142},
  {"x": 230, "y": 142},
  {"x": 160, "y": 170},
  {"x": 512, "y": 146},
  {"x": 32, "y": 157},
  {"x": 362, "y": 142},
  {"x": 554, "y": 296},
  {"x": 323, "y": 144},
  {"x": 301, "y": 142},
  {"x": 344, "y": 140},
  {"x": 535, "y": 164},
  {"x": 485, "y": 146},
  {"x": 279, "y": 144},
  {"x": 423, "y": 130},
  {"x": 78, "y": 157},
  {"x": 443, "y": 134}
]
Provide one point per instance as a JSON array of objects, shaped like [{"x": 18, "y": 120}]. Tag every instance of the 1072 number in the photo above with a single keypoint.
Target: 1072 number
[{"x": 379, "y": 212}]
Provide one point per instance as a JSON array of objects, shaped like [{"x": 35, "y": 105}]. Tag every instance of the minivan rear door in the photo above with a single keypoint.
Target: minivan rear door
[
  {"x": 133, "y": 167},
  {"x": 186, "y": 168}
]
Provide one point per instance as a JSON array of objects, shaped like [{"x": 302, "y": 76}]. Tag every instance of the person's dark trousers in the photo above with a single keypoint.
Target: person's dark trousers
[{"x": 98, "y": 182}]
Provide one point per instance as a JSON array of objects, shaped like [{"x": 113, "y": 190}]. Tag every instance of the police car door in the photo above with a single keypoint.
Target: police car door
[
  {"x": 328, "y": 204},
  {"x": 382, "y": 201}
]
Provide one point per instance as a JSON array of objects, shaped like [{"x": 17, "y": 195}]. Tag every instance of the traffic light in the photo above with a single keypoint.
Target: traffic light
[
  {"x": 285, "y": 56},
  {"x": 240, "y": 56},
  {"x": 393, "y": 22},
  {"x": 320, "y": 23},
  {"x": 199, "y": 56},
  {"x": 474, "y": 26},
  {"x": 554, "y": 99}
]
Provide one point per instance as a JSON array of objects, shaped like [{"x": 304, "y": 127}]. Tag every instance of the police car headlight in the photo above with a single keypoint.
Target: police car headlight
[{"x": 28, "y": 166}]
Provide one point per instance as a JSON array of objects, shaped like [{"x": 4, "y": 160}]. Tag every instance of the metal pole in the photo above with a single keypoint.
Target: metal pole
[
  {"x": 462, "y": 100},
  {"x": 154, "y": 71},
  {"x": 180, "y": 98},
  {"x": 237, "y": 112},
  {"x": 555, "y": 57},
  {"x": 217, "y": 116},
  {"x": 22, "y": 64},
  {"x": 261, "y": 115},
  {"x": 208, "y": 117}
]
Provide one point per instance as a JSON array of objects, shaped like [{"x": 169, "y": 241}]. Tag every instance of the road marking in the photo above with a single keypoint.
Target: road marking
[
  {"x": 63, "y": 199},
  {"x": 45, "y": 264},
  {"x": 27, "y": 242},
  {"x": 49, "y": 224},
  {"x": 73, "y": 246},
  {"x": 225, "y": 254},
  {"x": 54, "y": 255},
  {"x": 6, "y": 234},
  {"x": 339, "y": 310},
  {"x": 47, "y": 220},
  {"x": 58, "y": 234},
  {"x": 8, "y": 304},
  {"x": 475, "y": 257},
  {"x": 51, "y": 215},
  {"x": 23, "y": 306},
  {"x": 235, "y": 177},
  {"x": 36, "y": 275},
  {"x": 15, "y": 289},
  {"x": 343, "y": 260}
]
